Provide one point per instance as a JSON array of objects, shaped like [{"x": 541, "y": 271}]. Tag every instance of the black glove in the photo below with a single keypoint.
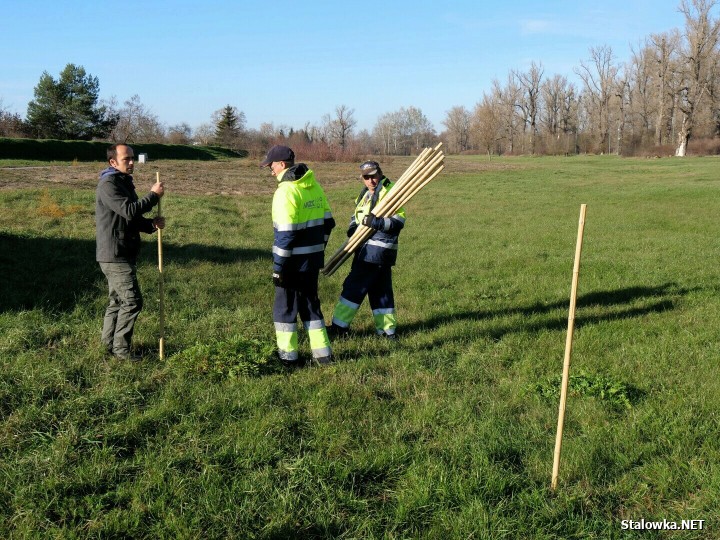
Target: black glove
[
  {"x": 371, "y": 221},
  {"x": 351, "y": 230},
  {"x": 278, "y": 279}
]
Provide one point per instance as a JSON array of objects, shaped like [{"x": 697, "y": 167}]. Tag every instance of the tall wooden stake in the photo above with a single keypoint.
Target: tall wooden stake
[
  {"x": 161, "y": 282},
  {"x": 568, "y": 349}
]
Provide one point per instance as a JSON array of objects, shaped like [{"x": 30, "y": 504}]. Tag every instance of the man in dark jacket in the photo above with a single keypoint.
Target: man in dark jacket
[{"x": 118, "y": 222}]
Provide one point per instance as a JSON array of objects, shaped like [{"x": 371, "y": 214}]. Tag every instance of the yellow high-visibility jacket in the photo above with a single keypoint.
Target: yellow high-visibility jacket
[{"x": 302, "y": 221}]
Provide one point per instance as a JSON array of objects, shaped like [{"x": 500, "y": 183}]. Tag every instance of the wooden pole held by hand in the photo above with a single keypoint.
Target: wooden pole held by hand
[
  {"x": 161, "y": 281},
  {"x": 568, "y": 350}
]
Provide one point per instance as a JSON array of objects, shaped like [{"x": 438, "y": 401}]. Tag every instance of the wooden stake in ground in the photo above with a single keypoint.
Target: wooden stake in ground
[
  {"x": 161, "y": 292},
  {"x": 568, "y": 349}
]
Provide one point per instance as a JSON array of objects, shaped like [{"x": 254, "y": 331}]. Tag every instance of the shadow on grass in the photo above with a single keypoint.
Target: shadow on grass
[
  {"x": 56, "y": 273},
  {"x": 605, "y": 305},
  {"x": 186, "y": 253}
]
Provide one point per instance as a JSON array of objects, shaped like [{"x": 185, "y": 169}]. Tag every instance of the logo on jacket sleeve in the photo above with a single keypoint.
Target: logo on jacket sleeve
[{"x": 315, "y": 203}]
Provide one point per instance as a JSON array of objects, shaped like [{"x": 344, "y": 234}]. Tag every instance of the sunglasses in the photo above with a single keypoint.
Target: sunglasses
[{"x": 368, "y": 176}]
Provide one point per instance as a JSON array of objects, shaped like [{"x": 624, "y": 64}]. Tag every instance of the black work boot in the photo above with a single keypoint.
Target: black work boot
[
  {"x": 290, "y": 365},
  {"x": 128, "y": 356},
  {"x": 335, "y": 332},
  {"x": 323, "y": 360}
]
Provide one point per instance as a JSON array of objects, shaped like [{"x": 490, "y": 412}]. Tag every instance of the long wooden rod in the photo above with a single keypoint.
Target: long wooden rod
[
  {"x": 161, "y": 280},
  {"x": 362, "y": 233},
  {"x": 398, "y": 192},
  {"x": 396, "y": 198},
  {"x": 568, "y": 349},
  {"x": 426, "y": 167},
  {"x": 393, "y": 204}
]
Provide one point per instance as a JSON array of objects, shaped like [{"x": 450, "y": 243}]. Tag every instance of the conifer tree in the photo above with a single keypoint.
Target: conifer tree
[{"x": 68, "y": 108}]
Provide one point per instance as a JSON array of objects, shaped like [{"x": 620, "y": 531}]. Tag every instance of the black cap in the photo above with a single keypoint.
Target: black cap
[
  {"x": 370, "y": 167},
  {"x": 278, "y": 153}
]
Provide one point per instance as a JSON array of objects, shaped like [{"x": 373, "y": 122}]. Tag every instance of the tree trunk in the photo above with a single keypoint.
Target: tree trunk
[
  {"x": 660, "y": 123},
  {"x": 683, "y": 138}
]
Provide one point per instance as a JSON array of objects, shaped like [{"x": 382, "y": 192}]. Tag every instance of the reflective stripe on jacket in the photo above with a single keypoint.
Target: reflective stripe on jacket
[
  {"x": 302, "y": 221},
  {"x": 381, "y": 247}
]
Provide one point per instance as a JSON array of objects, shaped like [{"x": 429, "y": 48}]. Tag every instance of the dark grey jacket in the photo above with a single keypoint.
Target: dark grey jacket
[{"x": 119, "y": 217}]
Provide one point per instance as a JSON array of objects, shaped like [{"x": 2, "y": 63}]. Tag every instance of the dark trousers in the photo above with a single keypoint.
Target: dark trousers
[
  {"x": 124, "y": 307},
  {"x": 299, "y": 296},
  {"x": 375, "y": 282}
]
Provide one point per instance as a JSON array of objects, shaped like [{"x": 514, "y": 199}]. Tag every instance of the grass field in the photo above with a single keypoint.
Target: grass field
[{"x": 448, "y": 433}]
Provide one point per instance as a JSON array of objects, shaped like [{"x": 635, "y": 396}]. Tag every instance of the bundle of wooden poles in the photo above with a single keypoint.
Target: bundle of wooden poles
[{"x": 426, "y": 166}]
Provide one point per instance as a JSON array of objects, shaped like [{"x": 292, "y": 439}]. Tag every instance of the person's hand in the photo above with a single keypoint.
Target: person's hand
[
  {"x": 159, "y": 222},
  {"x": 371, "y": 221},
  {"x": 277, "y": 278},
  {"x": 158, "y": 188},
  {"x": 351, "y": 231}
]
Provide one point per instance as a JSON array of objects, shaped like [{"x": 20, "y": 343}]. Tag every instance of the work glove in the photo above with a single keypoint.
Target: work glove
[
  {"x": 351, "y": 230},
  {"x": 278, "y": 278},
  {"x": 373, "y": 222}
]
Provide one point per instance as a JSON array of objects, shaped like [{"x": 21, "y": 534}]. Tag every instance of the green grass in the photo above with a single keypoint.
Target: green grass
[{"x": 447, "y": 434}]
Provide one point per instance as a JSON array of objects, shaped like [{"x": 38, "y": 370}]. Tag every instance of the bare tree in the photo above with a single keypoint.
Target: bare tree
[
  {"x": 11, "y": 124},
  {"x": 559, "y": 112},
  {"x": 663, "y": 50},
  {"x": 599, "y": 79},
  {"x": 402, "y": 131},
  {"x": 486, "y": 124},
  {"x": 387, "y": 132},
  {"x": 530, "y": 99},
  {"x": 204, "y": 134},
  {"x": 390, "y": 132},
  {"x": 457, "y": 122},
  {"x": 570, "y": 117},
  {"x": 698, "y": 65},
  {"x": 641, "y": 96},
  {"x": 179, "y": 134},
  {"x": 339, "y": 127},
  {"x": 136, "y": 123},
  {"x": 622, "y": 99},
  {"x": 506, "y": 100},
  {"x": 552, "y": 90},
  {"x": 420, "y": 129}
]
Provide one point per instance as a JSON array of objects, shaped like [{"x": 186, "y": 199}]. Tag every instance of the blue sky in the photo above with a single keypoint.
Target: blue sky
[{"x": 290, "y": 63}]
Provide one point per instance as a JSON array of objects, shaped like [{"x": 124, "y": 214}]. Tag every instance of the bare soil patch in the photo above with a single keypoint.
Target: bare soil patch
[{"x": 232, "y": 177}]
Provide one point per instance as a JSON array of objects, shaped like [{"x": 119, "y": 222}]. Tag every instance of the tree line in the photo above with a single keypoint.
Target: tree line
[{"x": 664, "y": 98}]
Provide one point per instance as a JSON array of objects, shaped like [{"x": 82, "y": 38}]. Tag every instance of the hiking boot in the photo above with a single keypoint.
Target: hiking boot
[{"x": 391, "y": 337}]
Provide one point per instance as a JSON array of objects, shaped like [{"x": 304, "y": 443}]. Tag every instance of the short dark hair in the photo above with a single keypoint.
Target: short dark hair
[{"x": 112, "y": 150}]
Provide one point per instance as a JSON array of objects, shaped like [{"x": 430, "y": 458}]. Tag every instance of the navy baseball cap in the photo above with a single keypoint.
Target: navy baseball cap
[{"x": 278, "y": 153}]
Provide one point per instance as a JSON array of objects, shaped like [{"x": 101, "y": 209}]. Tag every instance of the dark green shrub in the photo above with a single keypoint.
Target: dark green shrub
[{"x": 56, "y": 150}]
